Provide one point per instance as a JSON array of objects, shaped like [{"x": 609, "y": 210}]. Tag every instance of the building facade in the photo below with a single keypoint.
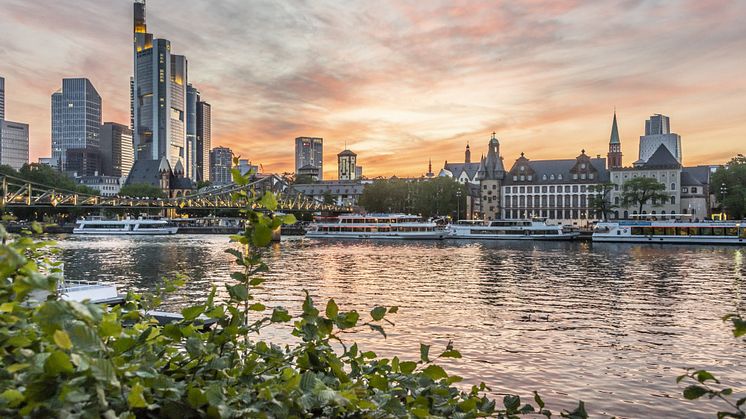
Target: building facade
[
  {"x": 221, "y": 163},
  {"x": 558, "y": 190},
  {"x": 82, "y": 162},
  {"x": 491, "y": 174},
  {"x": 204, "y": 140},
  {"x": 117, "y": 153},
  {"x": 105, "y": 185},
  {"x": 14, "y": 144},
  {"x": 309, "y": 151},
  {"x": 342, "y": 192},
  {"x": 465, "y": 172},
  {"x": 347, "y": 165},
  {"x": 159, "y": 90},
  {"x": 192, "y": 97},
  {"x": 2, "y": 98},
  {"x": 657, "y": 133},
  {"x": 76, "y": 119}
]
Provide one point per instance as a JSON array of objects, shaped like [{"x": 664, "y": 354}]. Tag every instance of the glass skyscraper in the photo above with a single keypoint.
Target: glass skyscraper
[
  {"x": 76, "y": 119},
  {"x": 2, "y": 98},
  {"x": 309, "y": 151},
  {"x": 204, "y": 140}
]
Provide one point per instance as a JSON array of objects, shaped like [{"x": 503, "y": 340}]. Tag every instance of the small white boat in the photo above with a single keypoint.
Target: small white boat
[
  {"x": 95, "y": 292},
  {"x": 128, "y": 226},
  {"x": 376, "y": 227},
  {"x": 672, "y": 228},
  {"x": 508, "y": 230}
]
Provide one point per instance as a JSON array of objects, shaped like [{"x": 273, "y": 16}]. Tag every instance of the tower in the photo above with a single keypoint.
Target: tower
[
  {"x": 467, "y": 154},
  {"x": 614, "y": 157},
  {"x": 346, "y": 164},
  {"x": 491, "y": 175}
]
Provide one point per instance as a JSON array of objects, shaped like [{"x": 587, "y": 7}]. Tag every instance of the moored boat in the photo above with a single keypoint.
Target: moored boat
[
  {"x": 376, "y": 227},
  {"x": 128, "y": 226},
  {"x": 536, "y": 229},
  {"x": 671, "y": 231}
]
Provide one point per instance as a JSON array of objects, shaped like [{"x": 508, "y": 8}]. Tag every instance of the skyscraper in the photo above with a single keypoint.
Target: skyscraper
[
  {"x": 13, "y": 143},
  {"x": 117, "y": 155},
  {"x": 204, "y": 141},
  {"x": 76, "y": 119},
  {"x": 657, "y": 133},
  {"x": 191, "y": 132},
  {"x": 309, "y": 151},
  {"x": 346, "y": 164},
  {"x": 221, "y": 163},
  {"x": 2, "y": 98},
  {"x": 158, "y": 96}
]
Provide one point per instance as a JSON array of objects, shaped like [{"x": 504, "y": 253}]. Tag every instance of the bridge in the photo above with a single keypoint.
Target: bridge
[{"x": 20, "y": 193}]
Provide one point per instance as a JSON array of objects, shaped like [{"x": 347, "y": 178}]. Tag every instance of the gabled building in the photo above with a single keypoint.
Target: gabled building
[
  {"x": 491, "y": 174},
  {"x": 160, "y": 174},
  {"x": 465, "y": 172}
]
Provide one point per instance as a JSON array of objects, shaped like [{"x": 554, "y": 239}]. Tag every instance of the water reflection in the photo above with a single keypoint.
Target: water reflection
[{"x": 610, "y": 324}]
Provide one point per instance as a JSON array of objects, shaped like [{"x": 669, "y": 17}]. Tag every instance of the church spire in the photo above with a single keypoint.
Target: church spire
[
  {"x": 614, "y": 157},
  {"x": 614, "y": 132},
  {"x": 467, "y": 154}
]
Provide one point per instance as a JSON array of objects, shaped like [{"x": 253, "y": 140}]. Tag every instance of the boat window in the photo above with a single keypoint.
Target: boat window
[
  {"x": 705, "y": 231},
  {"x": 682, "y": 231},
  {"x": 743, "y": 233},
  {"x": 732, "y": 231},
  {"x": 670, "y": 231}
]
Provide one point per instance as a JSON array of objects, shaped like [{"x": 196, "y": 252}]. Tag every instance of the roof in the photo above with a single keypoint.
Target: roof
[
  {"x": 614, "y": 132},
  {"x": 562, "y": 167},
  {"x": 181, "y": 183},
  {"x": 346, "y": 152},
  {"x": 688, "y": 180},
  {"x": 147, "y": 172},
  {"x": 662, "y": 158},
  {"x": 456, "y": 169},
  {"x": 344, "y": 187},
  {"x": 701, "y": 173}
]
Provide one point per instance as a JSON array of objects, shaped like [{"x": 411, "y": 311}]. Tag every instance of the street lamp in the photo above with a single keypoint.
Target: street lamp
[
  {"x": 458, "y": 204},
  {"x": 723, "y": 192}
]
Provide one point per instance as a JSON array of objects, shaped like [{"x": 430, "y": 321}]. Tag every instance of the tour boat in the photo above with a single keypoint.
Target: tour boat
[
  {"x": 376, "y": 226},
  {"x": 127, "y": 226},
  {"x": 536, "y": 229},
  {"x": 671, "y": 231}
]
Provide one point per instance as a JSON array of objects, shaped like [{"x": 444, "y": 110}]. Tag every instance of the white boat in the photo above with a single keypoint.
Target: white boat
[
  {"x": 95, "y": 292},
  {"x": 671, "y": 230},
  {"x": 127, "y": 226},
  {"x": 377, "y": 227},
  {"x": 508, "y": 230}
]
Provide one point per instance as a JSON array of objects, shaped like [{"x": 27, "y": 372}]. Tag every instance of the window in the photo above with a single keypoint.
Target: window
[
  {"x": 673, "y": 186},
  {"x": 582, "y": 175},
  {"x": 694, "y": 189},
  {"x": 559, "y": 176},
  {"x": 515, "y": 178},
  {"x": 551, "y": 189},
  {"x": 494, "y": 186},
  {"x": 543, "y": 177},
  {"x": 523, "y": 168},
  {"x": 530, "y": 177},
  {"x": 575, "y": 176},
  {"x": 616, "y": 200},
  {"x": 590, "y": 175},
  {"x": 673, "y": 200},
  {"x": 685, "y": 189},
  {"x": 551, "y": 177}
]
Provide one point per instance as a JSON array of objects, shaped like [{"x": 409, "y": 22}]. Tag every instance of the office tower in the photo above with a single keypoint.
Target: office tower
[
  {"x": 191, "y": 132},
  {"x": 117, "y": 154},
  {"x": 309, "y": 151},
  {"x": 14, "y": 140},
  {"x": 2, "y": 98},
  {"x": 76, "y": 119},
  {"x": 158, "y": 96},
  {"x": 82, "y": 161},
  {"x": 657, "y": 133},
  {"x": 204, "y": 140},
  {"x": 346, "y": 167},
  {"x": 221, "y": 163}
]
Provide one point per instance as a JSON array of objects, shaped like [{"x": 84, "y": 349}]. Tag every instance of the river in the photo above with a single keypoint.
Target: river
[{"x": 609, "y": 324}]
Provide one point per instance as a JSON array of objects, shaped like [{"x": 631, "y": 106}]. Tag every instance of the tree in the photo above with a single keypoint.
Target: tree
[
  {"x": 433, "y": 197},
  {"x": 641, "y": 190},
  {"x": 203, "y": 184},
  {"x": 47, "y": 176},
  {"x": 328, "y": 198},
  {"x": 601, "y": 201},
  {"x": 142, "y": 190},
  {"x": 303, "y": 179},
  {"x": 729, "y": 186}
]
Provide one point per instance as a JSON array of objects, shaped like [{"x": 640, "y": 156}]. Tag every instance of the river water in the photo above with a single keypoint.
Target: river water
[{"x": 609, "y": 324}]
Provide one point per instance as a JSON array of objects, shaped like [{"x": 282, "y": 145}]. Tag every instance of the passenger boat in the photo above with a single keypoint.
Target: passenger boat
[
  {"x": 673, "y": 228},
  {"x": 377, "y": 227},
  {"x": 536, "y": 229},
  {"x": 127, "y": 226}
]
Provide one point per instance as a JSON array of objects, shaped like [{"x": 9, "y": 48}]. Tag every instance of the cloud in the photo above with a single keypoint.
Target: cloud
[{"x": 400, "y": 82}]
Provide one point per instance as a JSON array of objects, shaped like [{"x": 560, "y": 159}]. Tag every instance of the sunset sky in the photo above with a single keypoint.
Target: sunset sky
[{"x": 404, "y": 81}]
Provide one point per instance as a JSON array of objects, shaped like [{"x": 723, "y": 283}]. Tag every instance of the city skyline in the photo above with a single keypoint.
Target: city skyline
[{"x": 401, "y": 84}]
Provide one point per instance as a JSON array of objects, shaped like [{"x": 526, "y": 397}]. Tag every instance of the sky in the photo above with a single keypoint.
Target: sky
[{"x": 401, "y": 82}]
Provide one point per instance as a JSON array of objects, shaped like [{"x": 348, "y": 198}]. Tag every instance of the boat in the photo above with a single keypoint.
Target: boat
[
  {"x": 671, "y": 228},
  {"x": 376, "y": 227},
  {"x": 128, "y": 226},
  {"x": 535, "y": 229}
]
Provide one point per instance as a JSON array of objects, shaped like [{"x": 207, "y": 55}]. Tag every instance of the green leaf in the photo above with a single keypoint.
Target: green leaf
[
  {"x": 331, "y": 309},
  {"x": 434, "y": 372},
  {"x": 269, "y": 201},
  {"x": 511, "y": 402},
  {"x": 191, "y": 313},
  {"x": 136, "y": 399},
  {"x": 468, "y": 405},
  {"x": 450, "y": 353},
  {"x": 57, "y": 363},
  {"x": 288, "y": 219},
  {"x": 694, "y": 392},
  {"x": 378, "y": 312},
  {"x": 379, "y": 382},
  {"x": 257, "y": 307},
  {"x": 538, "y": 400},
  {"x": 739, "y": 327},
  {"x": 407, "y": 367},
  {"x": 703, "y": 376},
  {"x": 280, "y": 315},
  {"x": 62, "y": 339},
  {"x": 13, "y": 368},
  {"x": 393, "y": 309},
  {"x": 378, "y": 329},
  {"x": 238, "y": 292},
  {"x": 347, "y": 320},
  {"x": 424, "y": 351},
  {"x": 12, "y": 396},
  {"x": 196, "y": 398},
  {"x": 262, "y": 235}
]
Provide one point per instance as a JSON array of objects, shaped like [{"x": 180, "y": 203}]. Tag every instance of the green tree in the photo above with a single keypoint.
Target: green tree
[
  {"x": 328, "y": 198},
  {"x": 47, "y": 176},
  {"x": 728, "y": 184},
  {"x": 601, "y": 200},
  {"x": 434, "y": 197},
  {"x": 142, "y": 190},
  {"x": 203, "y": 184},
  {"x": 641, "y": 190}
]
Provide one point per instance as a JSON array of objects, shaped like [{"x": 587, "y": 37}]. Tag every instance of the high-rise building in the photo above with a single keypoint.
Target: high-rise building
[
  {"x": 309, "y": 151},
  {"x": 614, "y": 157},
  {"x": 191, "y": 132},
  {"x": 76, "y": 119},
  {"x": 2, "y": 98},
  {"x": 657, "y": 133},
  {"x": 346, "y": 165},
  {"x": 117, "y": 154},
  {"x": 221, "y": 163},
  {"x": 158, "y": 92},
  {"x": 204, "y": 140},
  {"x": 13, "y": 143}
]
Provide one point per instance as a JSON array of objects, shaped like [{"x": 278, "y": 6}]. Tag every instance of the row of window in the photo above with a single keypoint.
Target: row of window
[
  {"x": 567, "y": 214},
  {"x": 575, "y": 176},
  {"x": 544, "y": 189},
  {"x": 516, "y": 232},
  {"x": 374, "y": 229},
  {"x": 689, "y": 231}
]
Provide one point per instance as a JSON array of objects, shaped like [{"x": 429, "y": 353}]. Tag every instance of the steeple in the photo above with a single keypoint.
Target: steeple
[
  {"x": 614, "y": 157},
  {"x": 430, "y": 169},
  {"x": 467, "y": 154}
]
